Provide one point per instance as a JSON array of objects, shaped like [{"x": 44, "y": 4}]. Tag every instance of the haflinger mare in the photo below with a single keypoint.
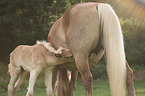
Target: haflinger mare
[{"x": 88, "y": 26}]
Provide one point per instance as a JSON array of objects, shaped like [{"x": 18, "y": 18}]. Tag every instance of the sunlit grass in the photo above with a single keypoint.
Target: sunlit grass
[{"x": 100, "y": 88}]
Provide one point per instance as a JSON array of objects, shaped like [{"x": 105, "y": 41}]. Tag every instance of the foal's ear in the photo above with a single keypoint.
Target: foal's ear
[{"x": 37, "y": 42}]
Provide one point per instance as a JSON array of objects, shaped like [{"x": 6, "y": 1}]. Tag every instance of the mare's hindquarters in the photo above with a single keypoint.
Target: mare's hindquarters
[{"x": 82, "y": 37}]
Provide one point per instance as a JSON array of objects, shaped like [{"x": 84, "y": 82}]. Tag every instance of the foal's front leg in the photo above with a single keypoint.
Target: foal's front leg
[
  {"x": 33, "y": 76},
  {"x": 48, "y": 82}
]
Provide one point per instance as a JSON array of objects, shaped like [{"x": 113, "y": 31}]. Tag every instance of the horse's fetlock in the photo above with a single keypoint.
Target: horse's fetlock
[
  {"x": 90, "y": 78},
  {"x": 10, "y": 89},
  {"x": 29, "y": 93}
]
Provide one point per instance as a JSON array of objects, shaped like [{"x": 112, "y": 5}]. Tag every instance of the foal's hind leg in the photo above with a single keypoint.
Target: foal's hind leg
[
  {"x": 22, "y": 77},
  {"x": 14, "y": 73},
  {"x": 83, "y": 68}
]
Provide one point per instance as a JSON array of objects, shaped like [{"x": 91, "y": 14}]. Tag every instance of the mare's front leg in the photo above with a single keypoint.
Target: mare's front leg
[
  {"x": 129, "y": 81},
  {"x": 33, "y": 76},
  {"x": 48, "y": 82},
  {"x": 83, "y": 67}
]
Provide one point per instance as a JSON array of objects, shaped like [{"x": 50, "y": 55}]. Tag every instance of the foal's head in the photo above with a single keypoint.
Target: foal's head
[{"x": 60, "y": 52}]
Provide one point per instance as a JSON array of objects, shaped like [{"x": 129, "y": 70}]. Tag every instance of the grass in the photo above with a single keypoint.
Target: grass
[{"x": 100, "y": 88}]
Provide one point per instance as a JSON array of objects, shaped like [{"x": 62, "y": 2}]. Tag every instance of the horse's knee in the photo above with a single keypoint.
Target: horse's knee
[
  {"x": 49, "y": 91},
  {"x": 14, "y": 69},
  {"x": 10, "y": 90},
  {"x": 87, "y": 81}
]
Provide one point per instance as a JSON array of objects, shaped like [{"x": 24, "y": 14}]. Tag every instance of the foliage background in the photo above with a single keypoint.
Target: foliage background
[{"x": 25, "y": 21}]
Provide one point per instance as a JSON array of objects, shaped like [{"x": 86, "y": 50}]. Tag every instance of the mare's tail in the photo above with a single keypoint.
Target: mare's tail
[{"x": 114, "y": 47}]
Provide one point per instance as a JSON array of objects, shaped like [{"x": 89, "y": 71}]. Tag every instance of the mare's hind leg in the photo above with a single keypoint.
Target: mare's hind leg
[
  {"x": 48, "y": 82},
  {"x": 129, "y": 81},
  {"x": 22, "y": 77},
  {"x": 14, "y": 73},
  {"x": 83, "y": 67},
  {"x": 33, "y": 76}
]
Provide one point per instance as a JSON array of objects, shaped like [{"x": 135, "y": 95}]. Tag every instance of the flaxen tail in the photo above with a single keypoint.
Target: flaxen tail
[{"x": 114, "y": 47}]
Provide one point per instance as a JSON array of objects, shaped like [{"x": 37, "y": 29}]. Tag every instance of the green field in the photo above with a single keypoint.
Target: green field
[{"x": 100, "y": 88}]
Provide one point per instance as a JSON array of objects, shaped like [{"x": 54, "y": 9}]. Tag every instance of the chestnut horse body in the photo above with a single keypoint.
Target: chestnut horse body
[{"x": 80, "y": 29}]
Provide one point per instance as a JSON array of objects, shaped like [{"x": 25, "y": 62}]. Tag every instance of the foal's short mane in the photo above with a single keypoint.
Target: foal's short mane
[
  {"x": 42, "y": 42},
  {"x": 47, "y": 45}
]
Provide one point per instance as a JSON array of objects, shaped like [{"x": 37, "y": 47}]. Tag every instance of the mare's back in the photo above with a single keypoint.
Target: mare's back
[
  {"x": 77, "y": 18},
  {"x": 82, "y": 28}
]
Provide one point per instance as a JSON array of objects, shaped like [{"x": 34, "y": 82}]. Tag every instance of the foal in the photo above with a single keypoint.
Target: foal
[{"x": 36, "y": 59}]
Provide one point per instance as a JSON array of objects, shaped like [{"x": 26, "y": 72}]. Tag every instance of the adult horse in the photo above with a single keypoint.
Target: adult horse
[{"x": 85, "y": 26}]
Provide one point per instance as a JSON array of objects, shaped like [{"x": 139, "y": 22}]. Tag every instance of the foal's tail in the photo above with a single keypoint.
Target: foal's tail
[
  {"x": 114, "y": 46},
  {"x": 10, "y": 65}
]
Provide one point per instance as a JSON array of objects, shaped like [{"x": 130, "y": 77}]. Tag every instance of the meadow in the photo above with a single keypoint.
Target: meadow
[
  {"x": 100, "y": 83},
  {"x": 100, "y": 88},
  {"x": 24, "y": 23}
]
